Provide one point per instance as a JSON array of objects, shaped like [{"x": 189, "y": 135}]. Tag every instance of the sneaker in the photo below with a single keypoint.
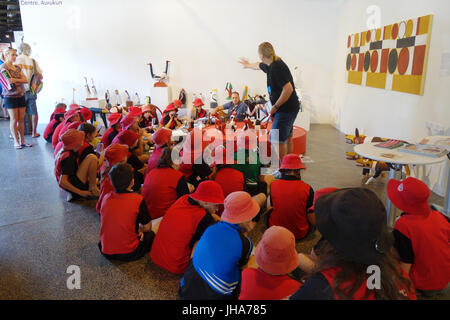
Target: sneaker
[{"x": 69, "y": 197}]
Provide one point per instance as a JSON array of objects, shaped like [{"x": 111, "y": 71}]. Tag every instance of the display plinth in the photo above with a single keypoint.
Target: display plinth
[{"x": 160, "y": 96}]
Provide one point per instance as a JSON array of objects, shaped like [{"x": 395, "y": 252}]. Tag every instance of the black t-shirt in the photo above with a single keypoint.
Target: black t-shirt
[
  {"x": 278, "y": 75},
  {"x": 69, "y": 165},
  {"x": 182, "y": 187},
  {"x": 88, "y": 150},
  {"x": 315, "y": 288},
  {"x": 112, "y": 135},
  {"x": 200, "y": 172}
]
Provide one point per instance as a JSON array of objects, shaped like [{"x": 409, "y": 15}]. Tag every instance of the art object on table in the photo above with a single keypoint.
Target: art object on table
[
  {"x": 94, "y": 89},
  {"x": 371, "y": 169},
  {"x": 148, "y": 100},
  {"x": 73, "y": 95},
  {"x": 229, "y": 90},
  {"x": 108, "y": 100},
  {"x": 138, "y": 99},
  {"x": 182, "y": 98},
  {"x": 88, "y": 90},
  {"x": 213, "y": 99},
  {"x": 118, "y": 99},
  {"x": 128, "y": 102},
  {"x": 161, "y": 79},
  {"x": 245, "y": 94},
  {"x": 393, "y": 57}
]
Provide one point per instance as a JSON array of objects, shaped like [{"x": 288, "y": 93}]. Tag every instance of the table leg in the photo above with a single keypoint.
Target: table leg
[
  {"x": 394, "y": 173},
  {"x": 446, "y": 209}
]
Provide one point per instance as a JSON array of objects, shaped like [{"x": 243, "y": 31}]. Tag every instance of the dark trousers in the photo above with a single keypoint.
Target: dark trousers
[{"x": 143, "y": 248}]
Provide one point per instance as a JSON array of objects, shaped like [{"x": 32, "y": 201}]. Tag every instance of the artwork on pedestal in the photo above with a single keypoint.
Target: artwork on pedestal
[{"x": 393, "y": 57}]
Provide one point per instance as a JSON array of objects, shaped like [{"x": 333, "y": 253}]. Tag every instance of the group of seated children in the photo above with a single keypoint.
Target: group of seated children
[{"x": 193, "y": 219}]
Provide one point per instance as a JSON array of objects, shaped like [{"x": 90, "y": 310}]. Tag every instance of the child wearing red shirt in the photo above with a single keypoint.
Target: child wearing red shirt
[
  {"x": 78, "y": 178},
  {"x": 115, "y": 153},
  {"x": 183, "y": 225},
  {"x": 55, "y": 119},
  {"x": 422, "y": 236},
  {"x": 163, "y": 185},
  {"x": 162, "y": 139},
  {"x": 114, "y": 128},
  {"x": 276, "y": 257},
  {"x": 126, "y": 228},
  {"x": 291, "y": 198}
]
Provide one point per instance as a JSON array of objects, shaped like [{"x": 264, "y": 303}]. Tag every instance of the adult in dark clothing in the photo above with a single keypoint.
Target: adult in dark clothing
[{"x": 284, "y": 99}]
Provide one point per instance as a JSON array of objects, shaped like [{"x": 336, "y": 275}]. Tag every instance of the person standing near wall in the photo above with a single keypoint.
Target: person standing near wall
[
  {"x": 14, "y": 97},
  {"x": 284, "y": 99},
  {"x": 29, "y": 65}
]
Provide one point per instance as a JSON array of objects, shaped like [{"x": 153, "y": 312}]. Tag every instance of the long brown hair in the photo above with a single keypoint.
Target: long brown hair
[
  {"x": 355, "y": 274},
  {"x": 267, "y": 50},
  {"x": 165, "y": 160}
]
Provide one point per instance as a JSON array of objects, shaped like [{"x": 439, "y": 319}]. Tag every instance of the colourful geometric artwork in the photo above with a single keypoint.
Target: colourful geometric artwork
[{"x": 393, "y": 57}]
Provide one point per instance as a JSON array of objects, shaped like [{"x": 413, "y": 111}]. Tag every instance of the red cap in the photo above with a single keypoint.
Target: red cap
[
  {"x": 128, "y": 121},
  {"x": 410, "y": 195},
  {"x": 114, "y": 118},
  {"x": 239, "y": 207},
  {"x": 178, "y": 103},
  {"x": 292, "y": 161},
  {"x": 209, "y": 191},
  {"x": 321, "y": 192},
  {"x": 115, "y": 153},
  {"x": 59, "y": 110},
  {"x": 275, "y": 252},
  {"x": 126, "y": 137},
  {"x": 171, "y": 107},
  {"x": 72, "y": 112},
  {"x": 198, "y": 103},
  {"x": 72, "y": 139},
  {"x": 134, "y": 111},
  {"x": 86, "y": 113},
  {"x": 74, "y": 106},
  {"x": 162, "y": 136}
]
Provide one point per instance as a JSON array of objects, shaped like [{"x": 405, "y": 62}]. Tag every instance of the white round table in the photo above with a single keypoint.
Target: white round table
[{"x": 398, "y": 160}]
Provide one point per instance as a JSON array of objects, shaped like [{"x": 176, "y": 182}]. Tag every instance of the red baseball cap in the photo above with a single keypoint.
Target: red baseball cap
[
  {"x": 178, "y": 103},
  {"x": 209, "y": 191},
  {"x": 321, "y": 192},
  {"x": 198, "y": 103},
  {"x": 72, "y": 138},
  {"x": 239, "y": 207},
  {"x": 72, "y": 112},
  {"x": 162, "y": 136},
  {"x": 410, "y": 195},
  {"x": 114, "y": 118},
  {"x": 292, "y": 162},
  {"x": 86, "y": 113},
  {"x": 126, "y": 137},
  {"x": 275, "y": 252},
  {"x": 134, "y": 111},
  {"x": 128, "y": 121},
  {"x": 115, "y": 153},
  {"x": 59, "y": 110}
]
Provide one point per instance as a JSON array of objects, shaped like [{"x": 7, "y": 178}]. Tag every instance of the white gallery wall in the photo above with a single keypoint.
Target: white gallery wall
[
  {"x": 385, "y": 113},
  {"x": 113, "y": 40}
]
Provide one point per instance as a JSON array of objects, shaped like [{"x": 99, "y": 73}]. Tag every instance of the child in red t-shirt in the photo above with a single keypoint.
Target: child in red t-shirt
[
  {"x": 115, "y": 153},
  {"x": 276, "y": 257},
  {"x": 291, "y": 198},
  {"x": 55, "y": 119},
  {"x": 422, "y": 236},
  {"x": 126, "y": 228},
  {"x": 114, "y": 128}
]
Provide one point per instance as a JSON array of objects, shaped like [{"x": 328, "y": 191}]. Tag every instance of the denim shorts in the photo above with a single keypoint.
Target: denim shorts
[
  {"x": 13, "y": 103},
  {"x": 30, "y": 100},
  {"x": 284, "y": 122}
]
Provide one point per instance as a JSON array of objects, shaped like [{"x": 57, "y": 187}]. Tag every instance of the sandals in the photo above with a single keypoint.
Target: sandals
[
  {"x": 37, "y": 135},
  {"x": 26, "y": 145},
  {"x": 18, "y": 146}
]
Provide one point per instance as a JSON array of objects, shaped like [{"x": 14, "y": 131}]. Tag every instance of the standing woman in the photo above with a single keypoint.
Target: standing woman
[
  {"x": 14, "y": 99},
  {"x": 284, "y": 99}
]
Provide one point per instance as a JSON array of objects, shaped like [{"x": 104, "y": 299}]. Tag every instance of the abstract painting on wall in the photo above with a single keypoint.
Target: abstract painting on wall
[{"x": 393, "y": 57}]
